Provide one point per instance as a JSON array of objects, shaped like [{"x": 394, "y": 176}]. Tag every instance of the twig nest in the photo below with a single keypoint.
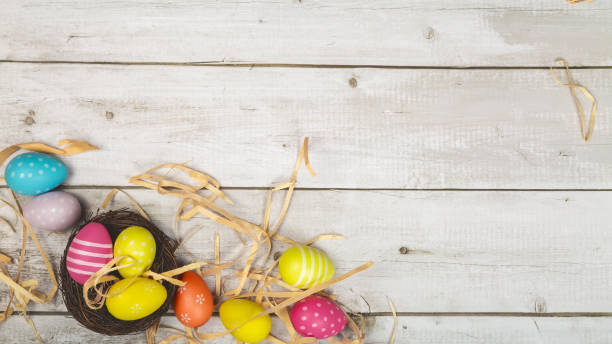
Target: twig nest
[{"x": 101, "y": 320}]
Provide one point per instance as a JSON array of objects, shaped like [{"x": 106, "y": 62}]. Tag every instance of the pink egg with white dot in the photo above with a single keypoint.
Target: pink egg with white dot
[
  {"x": 317, "y": 316},
  {"x": 53, "y": 211}
]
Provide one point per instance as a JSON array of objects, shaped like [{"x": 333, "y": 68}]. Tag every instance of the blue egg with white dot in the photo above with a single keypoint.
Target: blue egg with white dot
[{"x": 34, "y": 173}]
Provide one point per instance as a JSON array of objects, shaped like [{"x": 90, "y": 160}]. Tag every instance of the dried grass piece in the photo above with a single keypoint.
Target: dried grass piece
[
  {"x": 394, "y": 332},
  {"x": 71, "y": 147},
  {"x": 586, "y": 135},
  {"x": 25, "y": 291},
  {"x": 197, "y": 198}
]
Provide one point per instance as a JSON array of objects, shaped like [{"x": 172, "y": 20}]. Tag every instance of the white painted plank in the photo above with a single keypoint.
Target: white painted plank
[
  {"x": 396, "y": 129},
  {"x": 413, "y": 330},
  {"x": 468, "y": 251},
  {"x": 353, "y": 32}
]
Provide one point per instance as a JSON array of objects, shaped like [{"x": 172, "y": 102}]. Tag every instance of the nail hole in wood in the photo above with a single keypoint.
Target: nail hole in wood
[
  {"x": 404, "y": 250},
  {"x": 429, "y": 33},
  {"x": 540, "y": 305},
  {"x": 29, "y": 120},
  {"x": 352, "y": 82},
  {"x": 109, "y": 115}
]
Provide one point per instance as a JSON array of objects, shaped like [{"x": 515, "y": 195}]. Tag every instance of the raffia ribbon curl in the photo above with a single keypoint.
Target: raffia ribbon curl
[
  {"x": 71, "y": 147},
  {"x": 197, "y": 198},
  {"x": 99, "y": 278},
  {"x": 25, "y": 291},
  {"x": 102, "y": 276},
  {"x": 586, "y": 135}
]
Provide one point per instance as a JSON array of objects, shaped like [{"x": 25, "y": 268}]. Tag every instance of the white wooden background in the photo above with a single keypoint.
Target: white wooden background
[{"x": 435, "y": 126}]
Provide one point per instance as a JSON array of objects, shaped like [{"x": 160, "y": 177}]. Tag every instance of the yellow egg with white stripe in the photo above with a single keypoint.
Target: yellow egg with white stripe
[{"x": 304, "y": 267}]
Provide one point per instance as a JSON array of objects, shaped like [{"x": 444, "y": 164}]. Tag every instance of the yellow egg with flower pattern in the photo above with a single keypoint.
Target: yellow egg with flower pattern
[
  {"x": 138, "y": 246},
  {"x": 135, "y": 298}
]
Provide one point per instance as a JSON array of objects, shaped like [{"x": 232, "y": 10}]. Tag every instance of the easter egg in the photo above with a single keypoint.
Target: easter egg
[
  {"x": 304, "y": 266},
  {"x": 193, "y": 303},
  {"x": 34, "y": 173},
  {"x": 317, "y": 316},
  {"x": 135, "y": 298},
  {"x": 138, "y": 244},
  {"x": 90, "y": 250},
  {"x": 236, "y": 311},
  {"x": 53, "y": 211}
]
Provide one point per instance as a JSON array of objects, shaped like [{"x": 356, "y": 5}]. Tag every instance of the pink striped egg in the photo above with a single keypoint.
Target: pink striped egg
[{"x": 90, "y": 250}]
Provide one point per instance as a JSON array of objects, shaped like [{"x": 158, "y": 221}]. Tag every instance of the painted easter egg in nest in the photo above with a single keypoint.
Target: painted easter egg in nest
[
  {"x": 34, "y": 173},
  {"x": 236, "y": 311},
  {"x": 138, "y": 245},
  {"x": 53, "y": 211},
  {"x": 135, "y": 298},
  {"x": 303, "y": 266},
  {"x": 193, "y": 303},
  {"x": 89, "y": 251},
  {"x": 317, "y": 316}
]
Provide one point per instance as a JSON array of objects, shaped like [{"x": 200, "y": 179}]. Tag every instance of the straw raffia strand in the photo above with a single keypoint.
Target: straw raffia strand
[
  {"x": 21, "y": 293},
  {"x": 253, "y": 281}
]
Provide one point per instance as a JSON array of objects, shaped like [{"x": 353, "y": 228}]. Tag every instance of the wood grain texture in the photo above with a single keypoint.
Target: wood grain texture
[
  {"x": 532, "y": 252},
  {"x": 347, "y": 32},
  {"x": 399, "y": 129},
  {"x": 413, "y": 330},
  {"x": 131, "y": 85}
]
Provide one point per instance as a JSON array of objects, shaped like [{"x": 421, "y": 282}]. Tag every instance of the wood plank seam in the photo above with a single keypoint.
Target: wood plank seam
[{"x": 294, "y": 65}]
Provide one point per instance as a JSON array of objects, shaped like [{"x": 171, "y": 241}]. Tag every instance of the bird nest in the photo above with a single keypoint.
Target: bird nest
[{"x": 100, "y": 320}]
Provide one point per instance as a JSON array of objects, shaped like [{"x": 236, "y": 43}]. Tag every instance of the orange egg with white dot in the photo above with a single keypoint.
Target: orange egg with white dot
[{"x": 193, "y": 303}]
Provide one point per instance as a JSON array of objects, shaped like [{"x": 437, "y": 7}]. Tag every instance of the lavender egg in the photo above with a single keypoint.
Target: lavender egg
[{"x": 53, "y": 211}]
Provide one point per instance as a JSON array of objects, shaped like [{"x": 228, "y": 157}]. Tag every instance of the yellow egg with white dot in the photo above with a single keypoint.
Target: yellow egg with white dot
[
  {"x": 137, "y": 245},
  {"x": 135, "y": 298}
]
